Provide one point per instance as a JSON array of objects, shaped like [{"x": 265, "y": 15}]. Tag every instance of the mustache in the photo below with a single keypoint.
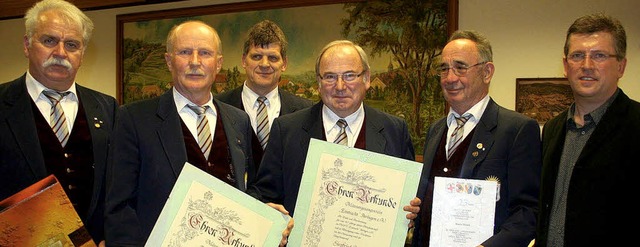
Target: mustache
[
  {"x": 195, "y": 72},
  {"x": 57, "y": 61}
]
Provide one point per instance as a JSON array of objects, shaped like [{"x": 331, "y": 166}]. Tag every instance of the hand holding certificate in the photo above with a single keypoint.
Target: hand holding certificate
[
  {"x": 353, "y": 197},
  {"x": 203, "y": 210}
]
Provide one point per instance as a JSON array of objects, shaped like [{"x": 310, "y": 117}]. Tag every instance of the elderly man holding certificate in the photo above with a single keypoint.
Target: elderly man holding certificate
[
  {"x": 343, "y": 75},
  {"x": 478, "y": 140}
]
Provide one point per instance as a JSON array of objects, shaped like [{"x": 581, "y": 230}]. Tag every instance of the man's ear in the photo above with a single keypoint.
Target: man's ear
[{"x": 488, "y": 71}]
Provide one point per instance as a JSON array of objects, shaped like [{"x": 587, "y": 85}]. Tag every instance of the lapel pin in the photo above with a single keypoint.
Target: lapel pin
[
  {"x": 475, "y": 153},
  {"x": 97, "y": 123},
  {"x": 479, "y": 146}
]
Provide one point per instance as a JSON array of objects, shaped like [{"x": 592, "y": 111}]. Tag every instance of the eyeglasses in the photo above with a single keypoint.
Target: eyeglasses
[
  {"x": 458, "y": 69},
  {"x": 332, "y": 78},
  {"x": 598, "y": 57}
]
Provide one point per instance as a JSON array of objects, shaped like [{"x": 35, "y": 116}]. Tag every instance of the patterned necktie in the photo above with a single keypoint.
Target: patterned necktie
[
  {"x": 262, "y": 119},
  {"x": 204, "y": 133},
  {"x": 456, "y": 136},
  {"x": 342, "y": 136},
  {"x": 57, "y": 120}
]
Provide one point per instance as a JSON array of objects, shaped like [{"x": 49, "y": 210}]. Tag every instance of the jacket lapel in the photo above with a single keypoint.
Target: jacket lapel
[
  {"x": 20, "y": 119},
  {"x": 482, "y": 139},
  {"x": 170, "y": 132}
]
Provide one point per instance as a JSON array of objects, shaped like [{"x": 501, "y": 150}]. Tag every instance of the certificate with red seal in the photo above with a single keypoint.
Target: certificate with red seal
[
  {"x": 353, "y": 197},
  {"x": 205, "y": 211}
]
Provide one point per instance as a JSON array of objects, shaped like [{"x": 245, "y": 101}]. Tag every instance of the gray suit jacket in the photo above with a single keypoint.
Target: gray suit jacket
[
  {"x": 280, "y": 173},
  {"x": 21, "y": 159},
  {"x": 510, "y": 151},
  {"x": 148, "y": 154}
]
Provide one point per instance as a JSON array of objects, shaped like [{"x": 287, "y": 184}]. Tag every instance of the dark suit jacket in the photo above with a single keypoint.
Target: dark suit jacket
[
  {"x": 598, "y": 208},
  {"x": 21, "y": 159},
  {"x": 148, "y": 154},
  {"x": 280, "y": 173},
  {"x": 288, "y": 102},
  {"x": 511, "y": 153}
]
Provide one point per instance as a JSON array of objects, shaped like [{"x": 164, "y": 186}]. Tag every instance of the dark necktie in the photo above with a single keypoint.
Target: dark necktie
[{"x": 57, "y": 120}]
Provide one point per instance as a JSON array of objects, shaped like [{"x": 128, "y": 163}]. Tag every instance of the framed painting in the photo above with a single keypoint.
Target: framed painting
[
  {"x": 403, "y": 81},
  {"x": 542, "y": 98}
]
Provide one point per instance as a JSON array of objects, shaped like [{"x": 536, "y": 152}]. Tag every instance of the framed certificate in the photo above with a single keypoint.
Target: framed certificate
[
  {"x": 353, "y": 197},
  {"x": 204, "y": 211}
]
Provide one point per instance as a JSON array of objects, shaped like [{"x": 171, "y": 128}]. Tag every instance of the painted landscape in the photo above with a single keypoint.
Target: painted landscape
[
  {"x": 544, "y": 99},
  {"x": 402, "y": 50}
]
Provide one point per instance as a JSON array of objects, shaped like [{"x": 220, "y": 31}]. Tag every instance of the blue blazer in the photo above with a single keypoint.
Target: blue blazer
[
  {"x": 598, "y": 208},
  {"x": 281, "y": 169},
  {"x": 511, "y": 153},
  {"x": 148, "y": 153},
  {"x": 21, "y": 159}
]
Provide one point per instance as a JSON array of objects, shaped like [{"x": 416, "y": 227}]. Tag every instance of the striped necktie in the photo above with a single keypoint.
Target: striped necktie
[
  {"x": 342, "y": 136},
  {"x": 204, "y": 133},
  {"x": 262, "y": 121},
  {"x": 456, "y": 136},
  {"x": 57, "y": 120}
]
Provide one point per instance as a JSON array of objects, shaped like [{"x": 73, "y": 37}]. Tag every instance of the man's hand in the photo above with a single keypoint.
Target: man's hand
[
  {"x": 413, "y": 209},
  {"x": 287, "y": 231}
]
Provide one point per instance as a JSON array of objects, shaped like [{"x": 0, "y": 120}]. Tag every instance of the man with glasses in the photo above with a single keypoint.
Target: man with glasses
[
  {"x": 343, "y": 75},
  {"x": 479, "y": 139},
  {"x": 589, "y": 151}
]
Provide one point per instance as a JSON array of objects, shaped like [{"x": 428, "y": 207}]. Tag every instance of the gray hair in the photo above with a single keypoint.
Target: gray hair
[
  {"x": 482, "y": 43},
  {"x": 70, "y": 12},
  {"x": 361, "y": 53},
  {"x": 172, "y": 36}
]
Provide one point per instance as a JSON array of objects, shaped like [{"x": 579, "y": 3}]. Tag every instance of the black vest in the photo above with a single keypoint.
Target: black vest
[
  {"x": 219, "y": 162},
  {"x": 72, "y": 165}
]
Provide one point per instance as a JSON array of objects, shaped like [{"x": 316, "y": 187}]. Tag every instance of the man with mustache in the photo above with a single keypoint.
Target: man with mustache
[
  {"x": 49, "y": 124},
  {"x": 264, "y": 58},
  {"x": 154, "y": 138}
]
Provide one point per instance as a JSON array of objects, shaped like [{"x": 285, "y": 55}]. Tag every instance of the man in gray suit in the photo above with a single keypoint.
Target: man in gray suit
[
  {"x": 42, "y": 134},
  {"x": 264, "y": 58},
  {"x": 154, "y": 138},
  {"x": 343, "y": 76},
  {"x": 479, "y": 139}
]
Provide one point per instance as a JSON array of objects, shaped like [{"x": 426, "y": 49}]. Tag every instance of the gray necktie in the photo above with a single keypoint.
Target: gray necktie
[
  {"x": 262, "y": 119},
  {"x": 57, "y": 120},
  {"x": 204, "y": 133},
  {"x": 456, "y": 136}
]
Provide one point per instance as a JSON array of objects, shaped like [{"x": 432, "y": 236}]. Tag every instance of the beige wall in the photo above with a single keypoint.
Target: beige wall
[
  {"x": 98, "y": 69},
  {"x": 527, "y": 39}
]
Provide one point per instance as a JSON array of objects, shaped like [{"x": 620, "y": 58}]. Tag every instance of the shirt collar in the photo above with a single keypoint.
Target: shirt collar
[
  {"x": 475, "y": 111},
  {"x": 329, "y": 118},
  {"x": 181, "y": 102},
  {"x": 35, "y": 88},
  {"x": 596, "y": 114},
  {"x": 252, "y": 96}
]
